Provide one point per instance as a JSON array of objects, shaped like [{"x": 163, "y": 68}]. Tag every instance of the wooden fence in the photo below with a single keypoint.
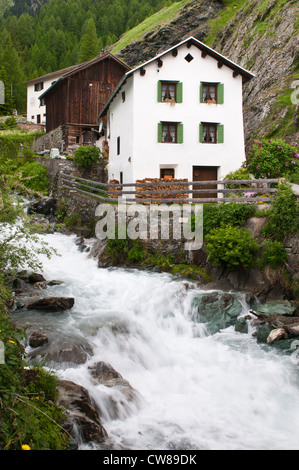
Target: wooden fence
[{"x": 255, "y": 190}]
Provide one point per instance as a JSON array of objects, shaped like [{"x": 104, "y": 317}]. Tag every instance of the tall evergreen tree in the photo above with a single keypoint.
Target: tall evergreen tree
[{"x": 89, "y": 44}]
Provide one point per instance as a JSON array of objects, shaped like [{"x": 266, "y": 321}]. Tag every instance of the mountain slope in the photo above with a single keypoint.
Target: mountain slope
[{"x": 260, "y": 36}]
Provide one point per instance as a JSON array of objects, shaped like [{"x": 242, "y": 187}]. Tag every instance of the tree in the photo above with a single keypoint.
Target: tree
[
  {"x": 14, "y": 80},
  {"x": 89, "y": 44}
]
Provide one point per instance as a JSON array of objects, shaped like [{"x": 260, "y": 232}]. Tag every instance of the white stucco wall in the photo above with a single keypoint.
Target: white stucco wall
[
  {"x": 33, "y": 103},
  {"x": 136, "y": 120},
  {"x": 120, "y": 123}
]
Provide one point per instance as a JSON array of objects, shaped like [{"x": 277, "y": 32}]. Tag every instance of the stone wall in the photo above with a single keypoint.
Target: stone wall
[
  {"x": 75, "y": 202},
  {"x": 53, "y": 139}
]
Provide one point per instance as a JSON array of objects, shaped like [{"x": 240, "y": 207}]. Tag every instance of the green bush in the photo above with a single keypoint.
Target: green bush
[
  {"x": 9, "y": 123},
  {"x": 283, "y": 215},
  {"x": 35, "y": 177},
  {"x": 233, "y": 214},
  {"x": 136, "y": 253},
  {"x": 86, "y": 156},
  {"x": 118, "y": 248},
  {"x": 273, "y": 255},
  {"x": 231, "y": 247},
  {"x": 239, "y": 174},
  {"x": 272, "y": 159}
]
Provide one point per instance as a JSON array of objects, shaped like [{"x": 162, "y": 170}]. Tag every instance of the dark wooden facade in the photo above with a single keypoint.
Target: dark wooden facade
[{"x": 76, "y": 99}]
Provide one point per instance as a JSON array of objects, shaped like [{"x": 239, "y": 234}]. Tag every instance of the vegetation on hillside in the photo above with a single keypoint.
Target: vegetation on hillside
[{"x": 58, "y": 34}]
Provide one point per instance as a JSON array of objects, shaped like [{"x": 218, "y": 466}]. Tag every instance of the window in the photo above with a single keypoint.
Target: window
[
  {"x": 118, "y": 145},
  {"x": 170, "y": 92},
  {"x": 43, "y": 102},
  {"x": 170, "y": 132},
  {"x": 211, "y": 133},
  {"x": 211, "y": 93},
  {"x": 121, "y": 177},
  {"x": 38, "y": 118},
  {"x": 166, "y": 173},
  {"x": 189, "y": 58},
  {"x": 123, "y": 96},
  {"x": 39, "y": 86}
]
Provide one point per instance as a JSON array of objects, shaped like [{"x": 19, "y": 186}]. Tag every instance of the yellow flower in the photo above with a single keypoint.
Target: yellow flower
[
  {"x": 10, "y": 341},
  {"x": 25, "y": 447}
]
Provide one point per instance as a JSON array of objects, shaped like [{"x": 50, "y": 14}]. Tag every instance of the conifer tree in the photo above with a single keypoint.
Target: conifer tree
[{"x": 89, "y": 44}]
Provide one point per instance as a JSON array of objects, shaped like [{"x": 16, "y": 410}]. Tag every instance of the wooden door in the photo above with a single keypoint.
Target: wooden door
[{"x": 205, "y": 173}]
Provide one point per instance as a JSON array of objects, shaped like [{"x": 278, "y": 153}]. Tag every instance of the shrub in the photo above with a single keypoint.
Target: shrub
[
  {"x": 283, "y": 216},
  {"x": 233, "y": 214},
  {"x": 86, "y": 156},
  {"x": 273, "y": 255},
  {"x": 35, "y": 177},
  {"x": 136, "y": 253},
  {"x": 239, "y": 174},
  {"x": 118, "y": 248},
  {"x": 231, "y": 247},
  {"x": 272, "y": 159}
]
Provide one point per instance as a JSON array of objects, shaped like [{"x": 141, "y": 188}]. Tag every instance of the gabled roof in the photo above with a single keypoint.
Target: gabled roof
[
  {"x": 69, "y": 71},
  {"x": 246, "y": 75}
]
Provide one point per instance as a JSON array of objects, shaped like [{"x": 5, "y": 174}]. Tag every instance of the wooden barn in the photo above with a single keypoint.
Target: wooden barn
[{"x": 76, "y": 98}]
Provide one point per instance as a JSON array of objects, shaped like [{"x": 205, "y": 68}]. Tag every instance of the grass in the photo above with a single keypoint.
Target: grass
[
  {"x": 225, "y": 16},
  {"x": 162, "y": 17}
]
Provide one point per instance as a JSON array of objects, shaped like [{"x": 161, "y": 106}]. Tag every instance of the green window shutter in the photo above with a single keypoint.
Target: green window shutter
[
  {"x": 159, "y": 92},
  {"x": 220, "y": 134},
  {"x": 201, "y": 92},
  {"x": 180, "y": 133},
  {"x": 220, "y": 93},
  {"x": 179, "y": 92},
  {"x": 200, "y": 132},
  {"x": 159, "y": 132}
]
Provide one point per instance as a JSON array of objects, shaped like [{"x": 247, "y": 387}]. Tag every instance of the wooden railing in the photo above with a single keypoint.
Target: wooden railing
[{"x": 255, "y": 190}]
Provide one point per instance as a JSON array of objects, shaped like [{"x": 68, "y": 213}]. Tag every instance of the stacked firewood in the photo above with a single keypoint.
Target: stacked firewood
[
  {"x": 168, "y": 189},
  {"x": 113, "y": 188}
]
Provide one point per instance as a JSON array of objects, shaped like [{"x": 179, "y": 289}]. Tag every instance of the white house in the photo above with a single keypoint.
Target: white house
[
  {"x": 178, "y": 115},
  {"x": 36, "y": 109}
]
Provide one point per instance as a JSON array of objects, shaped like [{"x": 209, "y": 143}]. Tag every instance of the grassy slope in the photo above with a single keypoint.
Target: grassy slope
[{"x": 162, "y": 17}]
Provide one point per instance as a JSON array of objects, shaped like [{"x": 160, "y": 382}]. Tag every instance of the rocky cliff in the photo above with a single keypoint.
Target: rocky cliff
[{"x": 260, "y": 36}]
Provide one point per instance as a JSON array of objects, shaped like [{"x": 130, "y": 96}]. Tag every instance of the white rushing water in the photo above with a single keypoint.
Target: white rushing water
[{"x": 195, "y": 391}]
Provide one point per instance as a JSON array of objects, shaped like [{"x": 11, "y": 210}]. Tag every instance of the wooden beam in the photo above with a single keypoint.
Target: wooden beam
[
  {"x": 174, "y": 52},
  {"x": 160, "y": 63},
  {"x": 204, "y": 54},
  {"x": 220, "y": 64},
  {"x": 142, "y": 71},
  {"x": 235, "y": 73}
]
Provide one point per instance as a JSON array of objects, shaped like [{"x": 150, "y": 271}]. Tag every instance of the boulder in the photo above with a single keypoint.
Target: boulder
[
  {"x": 36, "y": 277},
  {"x": 241, "y": 325},
  {"x": 45, "y": 206},
  {"x": 83, "y": 420},
  {"x": 216, "y": 310},
  {"x": 51, "y": 304},
  {"x": 123, "y": 394},
  {"x": 276, "y": 307},
  {"x": 37, "y": 338},
  {"x": 63, "y": 350}
]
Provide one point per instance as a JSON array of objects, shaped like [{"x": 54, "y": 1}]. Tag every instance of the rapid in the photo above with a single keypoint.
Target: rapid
[{"x": 193, "y": 390}]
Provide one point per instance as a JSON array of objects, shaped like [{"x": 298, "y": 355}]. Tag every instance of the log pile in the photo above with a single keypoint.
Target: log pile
[
  {"x": 168, "y": 189},
  {"x": 113, "y": 188}
]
